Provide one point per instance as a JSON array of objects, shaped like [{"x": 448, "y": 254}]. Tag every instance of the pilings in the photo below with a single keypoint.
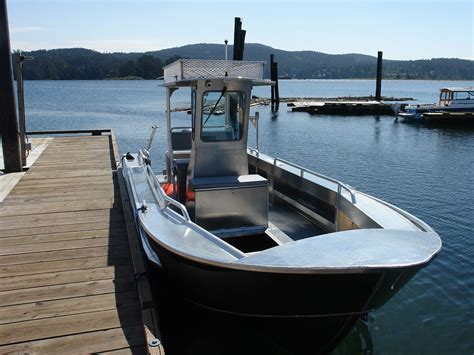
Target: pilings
[
  {"x": 378, "y": 85},
  {"x": 275, "y": 94},
  {"x": 19, "y": 59},
  {"x": 239, "y": 39},
  {"x": 8, "y": 113}
]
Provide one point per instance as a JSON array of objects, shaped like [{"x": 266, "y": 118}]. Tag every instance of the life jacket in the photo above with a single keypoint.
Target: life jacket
[{"x": 169, "y": 191}]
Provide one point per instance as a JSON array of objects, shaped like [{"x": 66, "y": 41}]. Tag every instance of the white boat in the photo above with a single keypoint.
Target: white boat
[
  {"x": 240, "y": 232},
  {"x": 451, "y": 100}
]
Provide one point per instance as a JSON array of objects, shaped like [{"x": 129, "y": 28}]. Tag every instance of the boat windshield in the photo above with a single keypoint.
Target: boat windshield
[
  {"x": 222, "y": 116},
  {"x": 463, "y": 95}
]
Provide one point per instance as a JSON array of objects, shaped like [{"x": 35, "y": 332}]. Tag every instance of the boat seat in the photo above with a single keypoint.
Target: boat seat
[{"x": 231, "y": 205}]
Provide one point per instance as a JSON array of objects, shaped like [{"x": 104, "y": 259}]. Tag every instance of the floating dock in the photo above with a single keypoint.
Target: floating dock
[
  {"x": 72, "y": 276},
  {"x": 345, "y": 107}
]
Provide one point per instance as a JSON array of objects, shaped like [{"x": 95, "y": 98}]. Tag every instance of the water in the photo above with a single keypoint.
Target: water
[{"x": 427, "y": 171}]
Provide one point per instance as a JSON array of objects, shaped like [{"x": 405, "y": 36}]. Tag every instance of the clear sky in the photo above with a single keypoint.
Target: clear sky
[{"x": 403, "y": 29}]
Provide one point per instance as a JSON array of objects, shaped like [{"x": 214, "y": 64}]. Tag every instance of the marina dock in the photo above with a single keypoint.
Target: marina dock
[
  {"x": 72, "y": 275},
  {"x": 349, "y": 107}
]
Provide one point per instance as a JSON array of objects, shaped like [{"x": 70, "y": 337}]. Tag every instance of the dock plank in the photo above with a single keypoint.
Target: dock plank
[
  {"x": 68, "y": 254},
  {"x": 58, "y": 265},
  {"x": 84, "y": 343},
  {"x": 67, "y": 280},
  {"x": 67, "y": 325},
  {"x": 65, "y": 291},
  {"x": 64, "y": 277},
  {"x": 62, "y": 237},
  {"x": 66, "y": 307}
]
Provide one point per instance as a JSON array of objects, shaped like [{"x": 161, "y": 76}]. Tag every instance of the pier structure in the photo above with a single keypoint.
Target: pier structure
[
  {"x": 73, "y": 279},
  {"x": 345, "y": 107}
]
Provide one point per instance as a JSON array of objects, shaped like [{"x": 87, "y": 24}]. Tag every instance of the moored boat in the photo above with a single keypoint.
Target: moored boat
[
  {"x": 238, "y": 231},
  {"x": 454, "y": 104}
]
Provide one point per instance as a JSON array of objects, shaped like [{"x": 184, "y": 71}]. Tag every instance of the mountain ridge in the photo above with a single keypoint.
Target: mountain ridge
[{"x": 81, "y": 63}]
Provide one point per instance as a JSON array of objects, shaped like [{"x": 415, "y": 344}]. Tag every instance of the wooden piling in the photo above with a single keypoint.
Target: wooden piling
[
  {"x": 21, "y": 105},
  {"x": 8, "y": 113},
  {"x": 242, "y": 44},
  {"x": 275, "y": 95},
  {"x": 378, "y": 85},
  {"x": 272, "y": 89},
  {"x": 277, "y": 91},
  {"x": 237, "y": 40}
]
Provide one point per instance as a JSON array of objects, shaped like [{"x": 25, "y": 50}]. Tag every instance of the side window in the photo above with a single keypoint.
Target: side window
[{"x": 222, "y": 116}]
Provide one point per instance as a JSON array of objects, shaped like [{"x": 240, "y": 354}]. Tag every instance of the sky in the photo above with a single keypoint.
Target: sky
[{"x": 402, "y": 29}]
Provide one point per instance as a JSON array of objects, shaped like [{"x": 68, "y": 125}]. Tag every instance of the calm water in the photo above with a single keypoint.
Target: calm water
[{"x": 426, "y": 171}]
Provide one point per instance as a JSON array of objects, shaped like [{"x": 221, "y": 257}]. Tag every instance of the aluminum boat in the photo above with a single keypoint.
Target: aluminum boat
[{"x": 238, "y": 231}]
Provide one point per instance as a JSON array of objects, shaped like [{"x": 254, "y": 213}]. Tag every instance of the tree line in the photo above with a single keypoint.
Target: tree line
[{"x": 79, "y": 63}]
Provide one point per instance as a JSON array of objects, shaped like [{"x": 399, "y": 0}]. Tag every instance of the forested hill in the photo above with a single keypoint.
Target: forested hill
[{"x": 79, "y": 63}]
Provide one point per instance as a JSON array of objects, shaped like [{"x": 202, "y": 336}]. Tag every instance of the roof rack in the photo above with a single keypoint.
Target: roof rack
[{"x": 183, "y": 71}]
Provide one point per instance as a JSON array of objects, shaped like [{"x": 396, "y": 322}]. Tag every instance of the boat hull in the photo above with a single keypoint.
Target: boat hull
[
  {"x": 268, "y": 294},
  {"x": 328, "y": 305}
]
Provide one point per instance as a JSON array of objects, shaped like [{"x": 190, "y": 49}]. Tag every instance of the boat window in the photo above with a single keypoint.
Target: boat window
[
  {"x": 461, "y": 95},
  {"x": 222, "y": 115}
]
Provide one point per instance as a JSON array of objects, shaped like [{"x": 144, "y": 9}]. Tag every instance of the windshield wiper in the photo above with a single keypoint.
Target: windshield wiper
[{"x": 215, "y": 106}]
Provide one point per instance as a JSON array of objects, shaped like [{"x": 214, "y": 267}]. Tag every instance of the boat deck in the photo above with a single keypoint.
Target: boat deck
[{"x": 68, "y": 265}]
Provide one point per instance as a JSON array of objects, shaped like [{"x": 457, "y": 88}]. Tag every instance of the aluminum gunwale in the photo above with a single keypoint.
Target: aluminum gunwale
[
  {"x": 283, "y": 269},
  {"x": 416, "y": 221}
]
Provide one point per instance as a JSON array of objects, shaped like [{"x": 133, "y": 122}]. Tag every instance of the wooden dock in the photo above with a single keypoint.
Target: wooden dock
[
  {"x": 72, "y": 277},
  {"x": 344, "y": 107}
]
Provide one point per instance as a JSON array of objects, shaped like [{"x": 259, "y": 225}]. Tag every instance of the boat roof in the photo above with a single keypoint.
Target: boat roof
[
  {"x": 186, "y": 83},
  {"x": 458, "y": 89},
  {"x": 184, "y": 72}
]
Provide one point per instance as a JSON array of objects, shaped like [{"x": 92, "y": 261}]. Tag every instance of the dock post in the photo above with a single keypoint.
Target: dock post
[
  {"x": 19, "y": 59},
  {"x": 378, "y": 85},
  {"x": 272, "y": 88},
  {"x": 275, "y": 96},
  {"x": 237, "y": 40},
  {"x": 242, "y": 44},
  {"x": 277, "y": 91},
  {"x": 8, "y": 113}
]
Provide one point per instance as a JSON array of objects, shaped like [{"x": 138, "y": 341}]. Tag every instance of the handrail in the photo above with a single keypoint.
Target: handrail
[
  {"x": 156, "y": 188},
  {"x": 96, "y": 132},
  {"x": 340, "y": 185},
  {"x": 303, "y": 170},
  {"x": 169, "y": 200}
]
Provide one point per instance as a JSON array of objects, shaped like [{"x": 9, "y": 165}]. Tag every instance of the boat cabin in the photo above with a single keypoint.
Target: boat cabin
[
  {"x": 207, "y": 163},
  {"x": 458, "y": 96}
]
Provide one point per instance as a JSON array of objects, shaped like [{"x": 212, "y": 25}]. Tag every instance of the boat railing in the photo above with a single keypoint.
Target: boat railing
[
  {"x": 302, "y": 171},
  {"x": 165, "y": 201},
  {"x": 163, "y": 197}
]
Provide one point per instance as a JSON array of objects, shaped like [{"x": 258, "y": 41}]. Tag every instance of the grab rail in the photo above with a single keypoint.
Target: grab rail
[
  {"x": 340, "y": 185},
  {"x": 156, "y": 184}
]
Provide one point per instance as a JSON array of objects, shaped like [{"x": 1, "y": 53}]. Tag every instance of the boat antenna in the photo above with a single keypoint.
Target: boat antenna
[{"x": 225, "y": 56}]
